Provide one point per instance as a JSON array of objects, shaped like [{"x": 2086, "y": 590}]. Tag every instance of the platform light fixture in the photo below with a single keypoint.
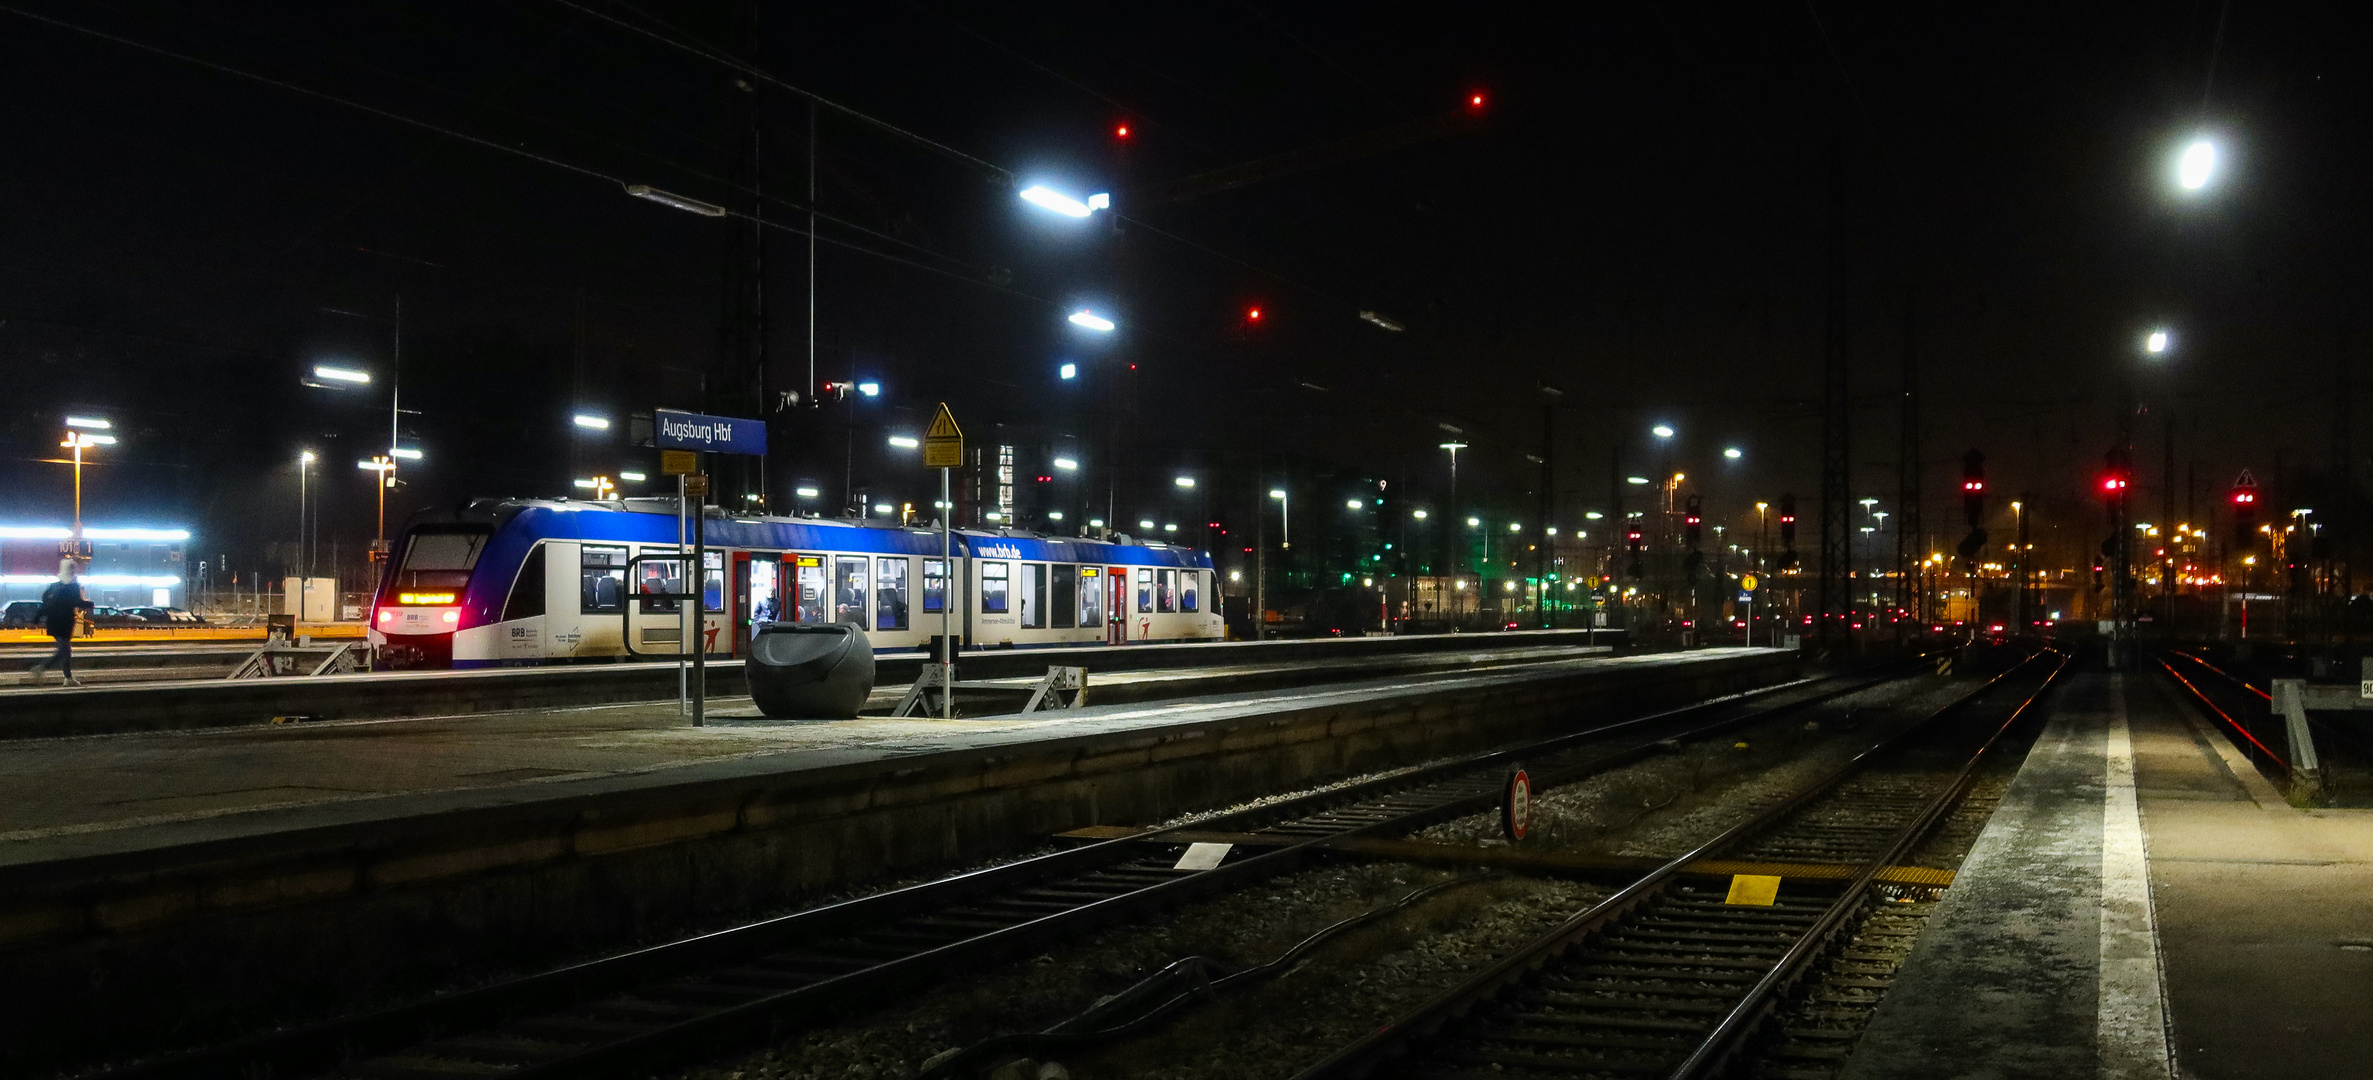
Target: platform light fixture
[
  {"x": 591, "y": 422},
  {"x": 870, "y": 388},
  {"x": 2196, "y": 166},
  {"x": 350, "y": 376},
  {"x": 1049, "y": 199},
  {"x": 631, "y": 476},
  {"x": 1662, "y": 431},
  {"x": 1145, "y": 523},
  {"x": 1092, "y": 321},
  {"x": 1733, "y": 453},
  {"x": 1067, "y": 371},
  {"x": 1418, "y": 514},
  {"x": 1184, "y": 481},
  {"x": 1635, "y": 479},
  {"x": 671, "y": 199},
  {"x": 2156, "y": 342},
  {"x": 407, "y": 453},
  {"x": 905, "y": 442},
  {"x": 806, "y": 492},
  {"x": 90, "y": 423},
  {"x": 1066, "y": 464}
]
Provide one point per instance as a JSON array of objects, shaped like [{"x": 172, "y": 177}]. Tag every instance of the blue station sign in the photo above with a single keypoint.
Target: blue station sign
[{"x": 713, "y": 434}]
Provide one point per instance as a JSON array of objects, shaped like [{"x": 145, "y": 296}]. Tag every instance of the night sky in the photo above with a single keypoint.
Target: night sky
[{"x": 204, "y": 201}]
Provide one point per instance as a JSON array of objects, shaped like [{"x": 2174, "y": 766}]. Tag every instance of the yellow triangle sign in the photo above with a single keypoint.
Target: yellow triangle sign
[{"x": 943, "y": 425}]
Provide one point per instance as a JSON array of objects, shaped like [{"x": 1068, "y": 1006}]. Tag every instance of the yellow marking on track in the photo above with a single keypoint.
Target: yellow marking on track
[{"x": 1753, "y": 890}]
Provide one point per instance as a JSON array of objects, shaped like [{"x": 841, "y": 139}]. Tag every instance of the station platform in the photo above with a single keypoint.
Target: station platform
[
  {"x": 2142, "y": 904},
  {"x": 291, "y": 865}
]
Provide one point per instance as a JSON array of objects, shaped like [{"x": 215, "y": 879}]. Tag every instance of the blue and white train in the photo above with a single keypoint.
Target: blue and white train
[{"x": 532, "y": 581}]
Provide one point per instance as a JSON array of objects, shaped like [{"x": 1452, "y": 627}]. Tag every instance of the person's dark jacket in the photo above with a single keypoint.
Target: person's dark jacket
[{"x": 59, "y": 602}]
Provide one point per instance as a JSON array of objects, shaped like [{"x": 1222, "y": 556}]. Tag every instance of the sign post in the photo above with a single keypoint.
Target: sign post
[
  {"x": 943, "y": 449},
  {"x": 1747, "y": 583},
  {"x": 698, "y": 433}
]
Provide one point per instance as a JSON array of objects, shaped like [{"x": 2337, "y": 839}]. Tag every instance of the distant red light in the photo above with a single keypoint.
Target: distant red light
[
  {"x": 1475, "y": 100},
  {"x": 1253, "y": 314},
  {"x": 1121, "y": 131}
]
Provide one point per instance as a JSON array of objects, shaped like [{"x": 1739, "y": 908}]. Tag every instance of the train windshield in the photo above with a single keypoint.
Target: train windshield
[{"x": 441, "y": 559}]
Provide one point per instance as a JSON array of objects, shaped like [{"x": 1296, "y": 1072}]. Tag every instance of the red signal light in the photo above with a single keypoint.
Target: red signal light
[
  {"x": 1120, "y": 131},
  {"x": 2244, "y": 498},
  {"x": 1973, "y": 486},
  {"x": 1475, "y": 100}
]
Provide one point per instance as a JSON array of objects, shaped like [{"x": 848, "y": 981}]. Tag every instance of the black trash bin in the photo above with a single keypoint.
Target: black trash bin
[{"x": 810, "y": 672}]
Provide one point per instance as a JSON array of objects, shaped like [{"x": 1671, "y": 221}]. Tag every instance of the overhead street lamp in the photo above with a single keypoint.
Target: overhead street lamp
[
  {"x": 2196, "y": 166},
  {"x": 1662, "y": 431},
  {"x": 1733, "y": 453},
  {"x": 1285, "y": 514},
  {"x": 304, "y": 545},
  {"x": 1092, "y": 321},
  {"x": 2157, "y": 342},
  {"x": 1050, "y": 199},
  {"x": 591, "y": 421},
  {"x": 905, "y": 442},
  {"x": 79, "y": 437}
]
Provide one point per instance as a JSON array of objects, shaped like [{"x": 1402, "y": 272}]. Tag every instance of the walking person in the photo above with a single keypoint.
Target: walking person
[{"x": 60, "y": 603}]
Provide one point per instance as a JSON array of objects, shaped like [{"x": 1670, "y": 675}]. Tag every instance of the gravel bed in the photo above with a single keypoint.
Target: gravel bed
[{"x": 1341, "y": 991}]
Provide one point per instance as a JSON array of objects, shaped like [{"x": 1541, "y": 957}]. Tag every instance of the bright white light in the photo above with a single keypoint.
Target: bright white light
[
  {"x": 1092, "y": 321},
  {"x": 82, "y": 438},
  {"x": 1515, "y": 526},
  {"x": 870, "y": 389},
  {"x": 1734, "y": 453},
  {"x": 1277, "y": 493},
  {"x": 1418, "y": 514},
  {"x": 584, "y": 483},
  {"x": 1170, "y": 528},
  {"x": 2156, "y": 343},
  {"x": 1056, "y": 201},
  {"x": 339, "y": 374},
  {"x": 905, "y": 442},
  {"x": 1102, "y": 200},
  {"x": 1635, "y": 479},
  {"x": 305, "y": 458},
  {"x": 1593, "y": 515},
  {"x": 1472, "y": 522},
  {"x": 1095, "y": 523},
  {"x": 92, "y": 422},
  {"x": 1351, "y": 504},
  {"x": 806, "y": 492},
  {"x": 1662, "y": 431},
  {"x": 631, "y": 477},
  {"x": 1144, "y": 523},
  {"x": 588, "y": 420},
  {"x": 2197, "y": 165},
  {"x": 375, "y": 465},
  {"x": 883, "y": 508},
  {"x": 1551, "y": 530},
  {"x": 1054, "y": 515},
  {"x": 406, "y": 452},
  {"x": 994, "y": 516},
  {"x": 1066, "y": 464},
  {"x": 1068, "y": 371},
  {"x": 1184, "y": 481}
]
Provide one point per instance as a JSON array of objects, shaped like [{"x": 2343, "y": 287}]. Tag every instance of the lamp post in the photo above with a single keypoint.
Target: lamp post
[{"x": 79, "y": 435}]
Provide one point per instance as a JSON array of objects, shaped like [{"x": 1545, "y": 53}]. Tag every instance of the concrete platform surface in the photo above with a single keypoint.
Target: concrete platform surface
[
  {"x": 62, "y": 798},
  {"x": 2143, "y": 904}
]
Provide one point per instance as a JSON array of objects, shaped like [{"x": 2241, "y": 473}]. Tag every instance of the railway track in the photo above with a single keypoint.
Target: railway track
[
  {"x": 1668, "y": 978},
  {"x": 686, "y": 1000}
]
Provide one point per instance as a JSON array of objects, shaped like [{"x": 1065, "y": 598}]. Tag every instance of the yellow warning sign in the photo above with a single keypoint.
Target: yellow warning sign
[
  {"x": 1747, "y": 582},
  {"x": 943, "y": 444},
  {"x": 678, "y": 462},
  {"x": 1753, "y": 890}
]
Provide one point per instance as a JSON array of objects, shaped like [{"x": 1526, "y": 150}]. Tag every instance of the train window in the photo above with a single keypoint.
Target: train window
[
  {"x": 1091, "y": 596},
  {"x": 1062, "y": 600},
  {"x": 527, "y": 593},
  {"x": 659, "y": 576},
  {"x": 1033, "y": 596},
  {"x": 1145, "y": 592},
  {"x": 889, "y": 595},
  {"x": 935, "y": 585},
  {"x": 993, "y": 588},
  {"x": 1166, "y": 593},
  {"x": 765, "y": 601},
  {"x": 848, "y": 602},
  {"x": 712, "y": 581},
  {"x": 441, "y": 560},
  {"x": 602, "y": 578},
  {"x": 810, "y": 606},
  {"x": 1190, "y": 587}
]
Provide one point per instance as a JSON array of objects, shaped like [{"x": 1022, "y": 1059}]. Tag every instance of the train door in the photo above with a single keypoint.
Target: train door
[
  {"x": 1116, "y": 606},
  {"x": 651, "y": 612},
  {"x": 758, "y": 593},
  {"x": 1141, "y": 622}
]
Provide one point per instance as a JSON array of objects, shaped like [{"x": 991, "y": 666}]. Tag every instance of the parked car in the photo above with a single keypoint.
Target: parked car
[
  {"x": 114, "y": 616},
  {"x": 166, "y": 616},
  {"x": 21, "y": 615}
]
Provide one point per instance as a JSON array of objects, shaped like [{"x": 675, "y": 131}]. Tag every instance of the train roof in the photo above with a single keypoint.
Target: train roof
[{"x": 653, "y": 521}]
